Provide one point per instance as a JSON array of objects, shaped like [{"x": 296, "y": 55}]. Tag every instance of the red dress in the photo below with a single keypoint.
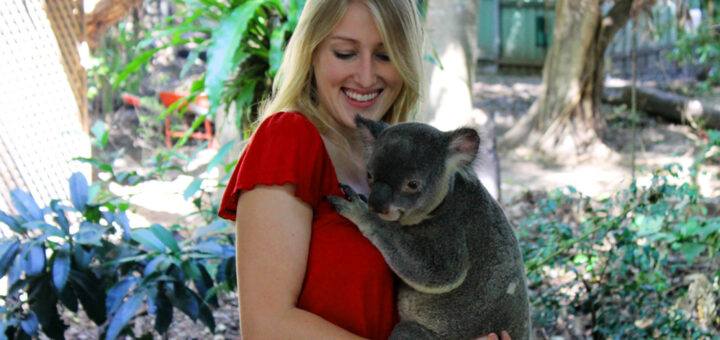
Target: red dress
[{"x": 347, "y": 281}]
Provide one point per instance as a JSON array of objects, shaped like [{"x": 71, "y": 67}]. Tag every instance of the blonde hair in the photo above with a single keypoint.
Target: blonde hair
[{"x": 400, "y": 29}]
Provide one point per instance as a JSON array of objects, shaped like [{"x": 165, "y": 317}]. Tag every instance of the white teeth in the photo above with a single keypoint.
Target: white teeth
[{"x": 361, "y": 97}]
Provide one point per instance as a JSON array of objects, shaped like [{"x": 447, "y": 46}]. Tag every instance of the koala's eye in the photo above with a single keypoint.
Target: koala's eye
[
  {"x": 369, "y": 177},
  {"x": 412, "y": 186}
]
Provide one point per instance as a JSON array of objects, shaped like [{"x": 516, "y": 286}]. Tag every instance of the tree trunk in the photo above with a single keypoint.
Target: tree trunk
[
  {"x": 564, "y": 121},
  {"x": 451, "y": 27},
  {"x": 105, "y": 14}
]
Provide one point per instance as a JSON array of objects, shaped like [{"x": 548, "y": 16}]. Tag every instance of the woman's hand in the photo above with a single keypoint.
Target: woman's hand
[{"x": 492, "y": 336}]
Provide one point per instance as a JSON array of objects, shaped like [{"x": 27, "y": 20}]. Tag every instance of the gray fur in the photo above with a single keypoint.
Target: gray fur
[{"x": 452, "y": 245}]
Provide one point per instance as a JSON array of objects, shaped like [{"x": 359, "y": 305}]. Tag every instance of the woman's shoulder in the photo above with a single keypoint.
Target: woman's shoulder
[{"x": 289, "y": 120}]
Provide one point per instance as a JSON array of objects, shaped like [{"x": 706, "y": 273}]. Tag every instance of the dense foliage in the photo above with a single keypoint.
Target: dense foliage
[
  {"x": 86, "y": 254},
  {"x": 625, "y": 265},
  {"x": 243, "y": 41}
]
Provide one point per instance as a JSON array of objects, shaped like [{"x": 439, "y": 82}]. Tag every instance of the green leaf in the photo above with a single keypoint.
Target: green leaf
[
  {"x": 79, "y": 191},
  {"x": 277, "y": 45},
  {"x": 220, "y": 156},
  {"x": 191, "y": 189},
  {"x": 89, "y": 292},
  {"x": 30, "y": 324},
  {"x": 43, "y": 303},
  {"x": 148, "y": 239},
  {"x": 101, "y": 134},
  {"x": 691, "y": 250},
  {"x": 164, "y": 313},
  {"x": 190, "y": 268},
  {"x": 227, "y": 37},
  {"x": 648, "y": 225},
  {"x": 165, "y": 236},
  {"x": 47, "y": 229},
  {"x": 26, "y": 206},
  {"x": 117, "y": 293},
  {"x": 144, "y": 58},
  {"x": 10, "y": 222},
  {"x": 212, "y": 228},
  {"x": 35, "y": 262},
  {"x": 184, "y": 300},
  {"x": 61, "y": 267},
  {"x": 60, "y": 217},
  {"x": 8, "y": 250},
  {"x": 126, "y": 311},
  {"x": 89, "y": 234}
]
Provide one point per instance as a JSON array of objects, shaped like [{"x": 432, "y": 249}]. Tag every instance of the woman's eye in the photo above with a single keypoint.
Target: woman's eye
[
  {"x": 383, "y": 56},
  {"x": 343, "y": 55}
]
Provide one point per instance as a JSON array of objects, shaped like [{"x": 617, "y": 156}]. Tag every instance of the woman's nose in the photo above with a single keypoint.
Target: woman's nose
[{"x": 365, "y": 74}]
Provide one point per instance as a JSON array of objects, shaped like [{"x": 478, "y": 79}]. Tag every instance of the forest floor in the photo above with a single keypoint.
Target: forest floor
[{"x": 507, "y": 97}]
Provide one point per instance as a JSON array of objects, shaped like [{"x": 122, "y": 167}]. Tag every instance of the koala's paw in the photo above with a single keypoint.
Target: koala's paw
[{"x": 354, "y": 208}]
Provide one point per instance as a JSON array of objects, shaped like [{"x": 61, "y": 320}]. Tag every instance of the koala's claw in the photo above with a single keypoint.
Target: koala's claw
[{"x": 349, "y": 192}]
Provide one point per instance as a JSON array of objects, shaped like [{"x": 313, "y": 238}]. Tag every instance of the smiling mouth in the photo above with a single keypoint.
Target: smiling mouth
[{"x": 361, "y": 97}]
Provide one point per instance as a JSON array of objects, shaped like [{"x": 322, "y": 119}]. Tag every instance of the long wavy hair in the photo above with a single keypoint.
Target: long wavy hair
[{"x": 294, "y": 86}]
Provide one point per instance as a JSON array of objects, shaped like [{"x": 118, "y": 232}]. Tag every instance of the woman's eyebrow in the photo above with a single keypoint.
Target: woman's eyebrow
[{"x": 348, "y": 39}]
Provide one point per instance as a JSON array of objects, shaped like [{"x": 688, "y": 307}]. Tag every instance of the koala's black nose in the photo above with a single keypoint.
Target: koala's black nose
[{"x": 379, "y": 200}]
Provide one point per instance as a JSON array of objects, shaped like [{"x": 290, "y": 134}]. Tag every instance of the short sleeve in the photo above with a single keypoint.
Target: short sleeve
[{"x": 286, "y": 148}]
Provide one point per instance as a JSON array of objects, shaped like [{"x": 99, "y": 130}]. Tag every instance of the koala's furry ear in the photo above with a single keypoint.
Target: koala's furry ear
[
  {"x": 464, "y": 145},
  {"x": 368, "y": 128}
]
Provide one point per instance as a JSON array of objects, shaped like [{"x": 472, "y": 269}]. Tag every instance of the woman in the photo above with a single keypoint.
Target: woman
[{"x": 303, "y": 270}]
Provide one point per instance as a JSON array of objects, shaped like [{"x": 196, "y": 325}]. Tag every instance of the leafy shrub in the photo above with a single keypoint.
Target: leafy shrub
[
  {"x": 87, "y": 255},
  {"x": 618, "y": 263},
  {"x": 244, "y": 42}
]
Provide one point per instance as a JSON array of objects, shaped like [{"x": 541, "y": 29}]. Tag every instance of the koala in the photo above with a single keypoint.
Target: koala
[{"x": 441, "y": 232}]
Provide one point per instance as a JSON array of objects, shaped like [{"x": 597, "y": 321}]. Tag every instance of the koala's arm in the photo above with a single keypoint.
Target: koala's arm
[{"x": 430, "y": 262}]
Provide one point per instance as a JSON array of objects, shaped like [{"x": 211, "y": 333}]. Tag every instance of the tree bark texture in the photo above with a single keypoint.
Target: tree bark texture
[
  {"x": 105, "y": 14},
  {"x": 565, "y": 119},
  {"x": 451, "y": 33}
]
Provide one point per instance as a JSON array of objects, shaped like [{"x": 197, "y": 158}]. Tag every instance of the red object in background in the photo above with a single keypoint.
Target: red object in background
[{"x": 200, "y": 106}]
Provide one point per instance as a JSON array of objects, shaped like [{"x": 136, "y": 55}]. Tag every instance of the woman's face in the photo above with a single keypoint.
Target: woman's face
[{"x": 353, "y": 72}]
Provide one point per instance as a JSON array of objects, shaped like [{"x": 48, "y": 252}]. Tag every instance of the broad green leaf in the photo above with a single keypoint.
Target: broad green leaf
[
  {"x": 126, "y": 312},
  {"x": 100, "y": 133},
  {"x": 277, "y": 45},
  {"x": 35, "y": 262},
  {"x": 146, "y": 237},
  {"x": 191, "y": 189},
  {"x": 61, "y": 267},
  {"x": 86, "y": 286},
  {"x": 43, "y": 303},
  {"x": 79, "y": 191},
  {"x": 185, "y": 300},
  {"x": 712, "y": 227},
  {"x": 47, "y": 229},
  {"x": 8, "y": 250},
  {"x": 10, "y": 222},
  {"x": 89, "y": 234},
  {"x": 144, "y": 58},
  {"x": 60, "y": 217},
  {"x": 191, "y": 270},
  {"x": 691, "y": 250},
  {"x": 26, "y": 206},
  {"x": 165, "y": 236},
  {"x": 648, "y": 225},
  {"x": 220, "y": 156},
  {"x": 159, "y": 263},
  {"x": 163, "y": 313},
  {"x": 227, "y": 37},
  {"x": 117, "y": 293},
  {"x": 29, "y": 324},
  {"x": 214, "y": 227}
]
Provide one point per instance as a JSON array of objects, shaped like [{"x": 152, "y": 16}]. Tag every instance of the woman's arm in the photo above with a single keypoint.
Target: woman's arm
[{"x": 273, "y": 239}]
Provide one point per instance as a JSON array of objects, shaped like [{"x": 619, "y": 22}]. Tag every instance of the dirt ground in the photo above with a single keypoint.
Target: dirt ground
[{"x": 507, "y": 97}]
